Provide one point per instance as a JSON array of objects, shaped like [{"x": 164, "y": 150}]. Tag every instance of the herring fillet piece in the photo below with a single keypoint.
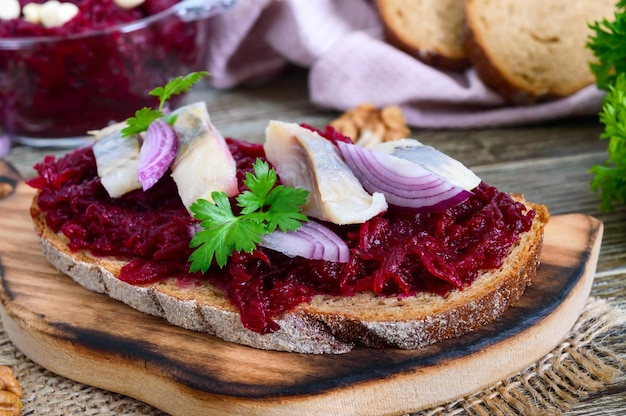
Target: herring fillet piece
[
  {"x": 203, "y": 163},
  {"x": 304, "y": 159},
  {"x": 431, "y": 159},
  {"x": 117, "y": 160}
]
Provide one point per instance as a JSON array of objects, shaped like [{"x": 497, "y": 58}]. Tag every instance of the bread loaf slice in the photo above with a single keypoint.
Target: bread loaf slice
[
  {"x": 328, "y": 324},
  {"x": 430, "y": 30},
  {"x": 532, "y": 50}
]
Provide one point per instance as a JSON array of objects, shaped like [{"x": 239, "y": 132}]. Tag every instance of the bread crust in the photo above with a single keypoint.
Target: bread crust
[
  {"x": 448, "y": 55},
  {"x": 328, "y": 324},
  {"x": 494, "y": 78}
]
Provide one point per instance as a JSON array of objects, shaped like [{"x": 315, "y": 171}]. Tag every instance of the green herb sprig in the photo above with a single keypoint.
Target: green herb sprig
[
  {"x": 610, "y": 177},
  {"x": 145, "y": 116},
  {"x": 264, "y": 208},
  {"x": 608, "y": 44}
]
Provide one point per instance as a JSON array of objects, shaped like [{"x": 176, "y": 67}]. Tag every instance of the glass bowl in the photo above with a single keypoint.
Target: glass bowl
[{"x": 55, "y": 89}]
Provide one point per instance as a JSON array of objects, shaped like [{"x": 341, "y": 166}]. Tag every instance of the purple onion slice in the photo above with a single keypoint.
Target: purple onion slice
[
  {"x": 406, "y": 183},
  {"x": 157, "y": 153},
  {"x": 312, "y": 241}
]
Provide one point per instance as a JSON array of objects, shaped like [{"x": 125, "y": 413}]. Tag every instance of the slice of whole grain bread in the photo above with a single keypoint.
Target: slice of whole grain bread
[
  {"x": 430, "y": 30},
  {"x": 328, "y": 324},
  {"x": 532, "y": 50}
]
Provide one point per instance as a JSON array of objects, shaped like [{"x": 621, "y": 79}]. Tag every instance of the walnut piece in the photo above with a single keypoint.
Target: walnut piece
[
  {"x": 366, "y": 125},
  {"x": 10, "y": 393},
  {"x": 5, "y": 189}
]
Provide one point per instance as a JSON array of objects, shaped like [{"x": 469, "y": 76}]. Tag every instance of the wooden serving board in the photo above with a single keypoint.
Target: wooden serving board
[{"x": 92, "y": 339}]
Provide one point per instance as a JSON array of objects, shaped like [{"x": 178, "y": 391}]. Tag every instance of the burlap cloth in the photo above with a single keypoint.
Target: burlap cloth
[{"x": 591, "y": 358}]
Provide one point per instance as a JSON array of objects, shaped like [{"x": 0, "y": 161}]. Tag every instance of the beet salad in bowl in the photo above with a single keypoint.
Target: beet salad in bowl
[{"x": 71, "y": 66}]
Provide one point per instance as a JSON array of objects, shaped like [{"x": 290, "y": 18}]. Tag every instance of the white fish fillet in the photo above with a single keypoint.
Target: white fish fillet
[
  {"x": 117, "y": 160},
  {"x": 432, "y": 159},
  {"x": 304, "y": 159},
  {"x": 203, "y": 163}
]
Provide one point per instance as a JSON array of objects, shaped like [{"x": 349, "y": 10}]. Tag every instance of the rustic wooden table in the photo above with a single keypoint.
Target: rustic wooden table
[{"x": 548, "y": 163}]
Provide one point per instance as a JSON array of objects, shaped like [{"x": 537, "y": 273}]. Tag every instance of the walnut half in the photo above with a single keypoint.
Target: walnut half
[
  {"x": 10, "y": 393},
  {"x": 366, "y": 125}
]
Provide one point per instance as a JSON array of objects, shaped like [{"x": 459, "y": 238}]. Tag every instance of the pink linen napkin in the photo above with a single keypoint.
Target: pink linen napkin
[
  {"x": 341, "y": 43},
  {"x": 5, "y": 145}
]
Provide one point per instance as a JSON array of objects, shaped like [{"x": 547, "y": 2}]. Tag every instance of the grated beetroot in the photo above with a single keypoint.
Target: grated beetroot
[
  {"x": 396, "y": 254},
  {"x": 89, "y": 76},
  {"x": 93, "y": 15}
]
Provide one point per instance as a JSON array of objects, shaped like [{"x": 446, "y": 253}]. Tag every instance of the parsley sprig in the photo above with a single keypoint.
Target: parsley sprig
[
  {"x": 610, "y": 177},
  {"x": 265, "y": 207},
  {"x": 145, "y": 116},
  {"x": 608, "y": 44}
]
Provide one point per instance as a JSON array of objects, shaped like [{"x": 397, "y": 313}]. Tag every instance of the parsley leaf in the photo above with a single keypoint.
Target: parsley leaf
[
  {"x": 608, "y": 44},
  {"x": 177, "y": 86},
  {"x": 141, "y": 121},
  {"x": 610, "y": 177},
  {"x": 284, "y": 203},
  {"x": 223, "y": 232},
  {"x": 260, "y": 184},
  {"x": 265, "y": 206},
  {"x": 145, "y": 116}
]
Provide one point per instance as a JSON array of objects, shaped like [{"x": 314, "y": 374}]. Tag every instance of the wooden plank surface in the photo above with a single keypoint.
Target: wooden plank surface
[{"x": 90, "y": 338}]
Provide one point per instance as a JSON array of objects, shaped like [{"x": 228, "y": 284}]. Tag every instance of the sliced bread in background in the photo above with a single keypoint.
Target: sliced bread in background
[
  {"x": 430, "y": 30},
  {"x": 533, "y": 50}
]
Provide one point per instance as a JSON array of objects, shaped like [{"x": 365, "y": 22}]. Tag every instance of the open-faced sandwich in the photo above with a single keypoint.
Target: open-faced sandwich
[{"x": 304, "y": 243}]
